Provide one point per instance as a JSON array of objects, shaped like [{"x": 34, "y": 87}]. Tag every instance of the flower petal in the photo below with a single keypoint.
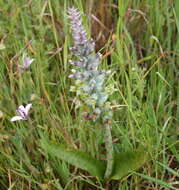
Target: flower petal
[
  {"x": 27, "y": 108},
  {"x": 16, "y": 118},
  {"x": 27, "y": 61},
  {"x": 21, "y": 110}
]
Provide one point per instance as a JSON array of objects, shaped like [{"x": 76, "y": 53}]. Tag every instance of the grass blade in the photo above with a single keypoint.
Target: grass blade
[{"x": 157, "y": 181}]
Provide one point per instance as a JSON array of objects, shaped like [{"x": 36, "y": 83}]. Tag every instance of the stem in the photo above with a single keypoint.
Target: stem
[{"x": 109, "y": 150}]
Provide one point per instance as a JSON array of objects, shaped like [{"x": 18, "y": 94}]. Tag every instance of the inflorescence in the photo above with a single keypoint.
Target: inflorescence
[{"x": 89, "y": 79}]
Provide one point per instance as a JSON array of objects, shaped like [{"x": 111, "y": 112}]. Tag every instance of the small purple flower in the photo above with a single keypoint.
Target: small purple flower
[
  {"x": 78, "y": 31},
  {"x": 22, "y": 113},
  {"x": 26, "y": 64}
]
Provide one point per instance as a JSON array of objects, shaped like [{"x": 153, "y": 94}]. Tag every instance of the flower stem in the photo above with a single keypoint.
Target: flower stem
[{"x": 109, "y": 150}]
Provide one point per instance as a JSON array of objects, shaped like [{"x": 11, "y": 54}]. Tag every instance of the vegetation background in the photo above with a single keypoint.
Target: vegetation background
[{"x": 139, "y": 39}]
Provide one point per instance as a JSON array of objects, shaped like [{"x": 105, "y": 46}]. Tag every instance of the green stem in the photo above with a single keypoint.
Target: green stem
[{"x": 109, "y": 150}]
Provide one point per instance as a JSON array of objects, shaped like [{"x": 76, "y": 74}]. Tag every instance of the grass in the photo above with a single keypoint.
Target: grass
[{"x": 139, "y": 40}]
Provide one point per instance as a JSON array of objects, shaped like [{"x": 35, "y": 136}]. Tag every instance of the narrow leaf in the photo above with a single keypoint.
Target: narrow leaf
[
  {"x": 157, "y": 181},
  {"x": 175, "y": 173},
  {"x": 126, "y": 162},
  {"x": 176, "y": 7},
  {"x": 77, "y": 158}
]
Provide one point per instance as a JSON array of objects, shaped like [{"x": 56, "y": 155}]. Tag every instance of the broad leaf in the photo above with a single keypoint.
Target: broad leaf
[
  {"x": 126, "y": 162},
  {"x": 77, "y": 158}
]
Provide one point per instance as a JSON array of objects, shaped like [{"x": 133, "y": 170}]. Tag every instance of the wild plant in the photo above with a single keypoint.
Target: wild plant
[{"x": 89, "y": 82}]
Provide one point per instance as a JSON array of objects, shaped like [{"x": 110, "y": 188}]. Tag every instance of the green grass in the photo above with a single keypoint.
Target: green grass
[{"x": 144, "y": 47}]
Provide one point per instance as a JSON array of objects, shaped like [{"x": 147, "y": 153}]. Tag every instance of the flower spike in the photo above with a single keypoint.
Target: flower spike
[{"x": 89, "y": 79}]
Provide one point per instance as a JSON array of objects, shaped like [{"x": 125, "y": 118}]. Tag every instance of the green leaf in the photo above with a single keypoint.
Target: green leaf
[
  {"x": 175, "y": 173},
  {"x": 77, "y": 158},
  {"x": 176, "y": 7},
  {"x": 126, "y": 162},
  {"x": 157, "y": 181},
  {"x": 176, "y": 13}
]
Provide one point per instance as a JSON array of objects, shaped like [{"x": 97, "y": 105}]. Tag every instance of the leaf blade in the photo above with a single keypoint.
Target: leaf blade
[
  {"x": 126, "y": 162},
  {"x": 77, "y": 158}
]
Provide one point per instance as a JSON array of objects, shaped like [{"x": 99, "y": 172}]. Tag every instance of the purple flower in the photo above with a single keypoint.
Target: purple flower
[
  {"x": 78, "y": 31},
  {"x": 22, "y": 113},
  {"x": 26, "y": 64}
]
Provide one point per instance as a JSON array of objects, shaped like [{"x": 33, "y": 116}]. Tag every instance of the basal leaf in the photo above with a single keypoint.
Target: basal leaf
[
  {"x": 126, "y": 162},
  {"x": 77, "y": 158}
]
